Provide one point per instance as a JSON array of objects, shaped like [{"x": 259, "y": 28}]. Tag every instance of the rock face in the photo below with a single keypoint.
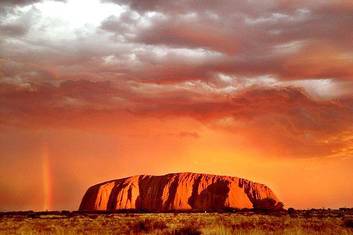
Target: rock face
[{"x": 180, "y": 191}]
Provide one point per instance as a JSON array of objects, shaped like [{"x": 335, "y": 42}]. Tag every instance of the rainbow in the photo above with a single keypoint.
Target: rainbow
[{"x": 46, "y": 178}]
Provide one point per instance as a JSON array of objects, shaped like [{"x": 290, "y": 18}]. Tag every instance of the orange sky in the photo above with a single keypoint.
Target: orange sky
[{"x": 255, "y": 90}]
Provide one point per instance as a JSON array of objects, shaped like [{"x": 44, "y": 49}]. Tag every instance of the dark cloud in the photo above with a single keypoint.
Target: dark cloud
[
  {"x": 23, "y": 2},
  {"x": 186, "y": 6},
  {"x": 18, "y": 2},
  {"x": 187, "y": 40},
  {"x": 275, "y": 37},
  {"x": 13, "y": 30},
  {"x": 194, "y": 59},
  {"x": 288, "y": 115},
  {"x": 275, "y": 119},
  {"x": 198, "y": 34},
  {"x": 18, "y": 27}
]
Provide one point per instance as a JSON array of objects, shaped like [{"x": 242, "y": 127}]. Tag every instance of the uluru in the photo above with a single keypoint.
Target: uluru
[{"x": 179, "y": 192}]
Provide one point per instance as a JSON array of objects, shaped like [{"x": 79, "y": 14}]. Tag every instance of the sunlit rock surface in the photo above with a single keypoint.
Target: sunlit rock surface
[{"x": 179, "y": 191}]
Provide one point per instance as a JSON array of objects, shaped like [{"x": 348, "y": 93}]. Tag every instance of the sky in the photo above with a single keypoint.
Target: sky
[{"x": 97, "y": 90}]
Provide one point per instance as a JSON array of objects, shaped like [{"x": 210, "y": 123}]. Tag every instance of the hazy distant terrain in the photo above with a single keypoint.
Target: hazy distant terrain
[{"x": 248, "y": 222}]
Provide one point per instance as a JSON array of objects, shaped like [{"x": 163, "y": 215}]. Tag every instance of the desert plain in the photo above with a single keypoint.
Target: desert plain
[{"x": 291, "y": 221}]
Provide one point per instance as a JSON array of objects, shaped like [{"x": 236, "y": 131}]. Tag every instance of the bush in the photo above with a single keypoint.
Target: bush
[
  {"x": 148, "y": 225},
  {"x": 187, "y": 230},
  {"x": 292, "y": 211},
  {"x": 268, "y": 204},
  {"x": 348, "y": 222}
]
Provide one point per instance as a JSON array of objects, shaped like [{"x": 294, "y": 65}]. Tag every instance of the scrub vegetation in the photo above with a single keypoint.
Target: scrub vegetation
[{"x": 243, "y": 222}]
